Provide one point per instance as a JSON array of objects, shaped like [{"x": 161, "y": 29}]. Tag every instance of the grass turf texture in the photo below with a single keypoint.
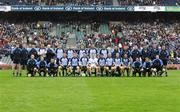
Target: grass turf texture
[{"x": 70, "y": 94}]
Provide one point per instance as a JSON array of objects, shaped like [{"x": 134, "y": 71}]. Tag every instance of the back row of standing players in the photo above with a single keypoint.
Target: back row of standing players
[{"x": 46, "y": 60}]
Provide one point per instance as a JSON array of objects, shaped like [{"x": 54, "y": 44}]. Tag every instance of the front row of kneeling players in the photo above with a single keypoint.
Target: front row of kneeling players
[{"x": 99, "y": 66}]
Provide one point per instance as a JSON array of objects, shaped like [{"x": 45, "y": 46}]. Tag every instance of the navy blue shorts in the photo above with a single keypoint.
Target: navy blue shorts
[
  {"x": 23, "y": 62},
  {"x": 17, "y": 61},
  {"x": 164, "y": 62}
]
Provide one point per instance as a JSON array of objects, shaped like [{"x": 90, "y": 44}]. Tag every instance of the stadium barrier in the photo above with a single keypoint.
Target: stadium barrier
[
  {"x": 94, "y": 8},
  {"x": 173, "y": 66},
  {"x": 5, "y": 66}
]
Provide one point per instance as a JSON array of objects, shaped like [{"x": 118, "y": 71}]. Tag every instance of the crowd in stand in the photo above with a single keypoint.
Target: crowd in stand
[
  {"x": 29, "y": 33},
  {"x": 89, "y": 2},
  {"x": 122, "y": 33}
]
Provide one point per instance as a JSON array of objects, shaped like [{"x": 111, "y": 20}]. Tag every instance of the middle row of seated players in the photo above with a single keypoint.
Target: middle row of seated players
[{"x": 99, "y": 66}]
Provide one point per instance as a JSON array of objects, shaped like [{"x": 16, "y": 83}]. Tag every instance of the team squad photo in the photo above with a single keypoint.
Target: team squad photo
[
  {"x": 46, "y": 61},
  {"x": 89, "y": 55}
]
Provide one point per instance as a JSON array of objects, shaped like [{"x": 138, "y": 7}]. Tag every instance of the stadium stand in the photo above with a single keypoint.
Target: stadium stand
[{"x": 72, "y": 33}]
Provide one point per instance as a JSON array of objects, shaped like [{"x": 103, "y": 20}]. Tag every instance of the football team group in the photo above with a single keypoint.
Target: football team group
[{"x": 46, "y": 61}]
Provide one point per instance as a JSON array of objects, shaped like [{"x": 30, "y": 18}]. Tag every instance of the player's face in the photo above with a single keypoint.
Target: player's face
[
  {"x": 42, "y": 58},
  {"x": 59, "y": 47},
  {"x": 157, "y": 56},
  {"x": 137, "y": 59},
  {"x": 74, "y": 55},
  {"x": 135, "y": 47},
  {"x": 115, "y": 47},
  {"x": 125, "y": 56},
  {"x": 32, "y": 56},
  {"x": 117, "y": 55},
  {"x": 17, "y": 45},
  {"x": 64, "y": 55},
  {"x": 52, "y": 60},
  {"x": 109, "y": 55},
  {"x": 42, "y": 45},
  {"x": 24, "y": 45},
  {"x": 163, "y": 47},
  {"x": 82, "y": 47},
  {"x": 102, "y": 56},
  {"x": 92, "y": 46}
]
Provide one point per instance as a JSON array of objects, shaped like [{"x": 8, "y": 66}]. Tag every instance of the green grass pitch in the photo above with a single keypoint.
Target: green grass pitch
[{"x": 81, "y": 94}]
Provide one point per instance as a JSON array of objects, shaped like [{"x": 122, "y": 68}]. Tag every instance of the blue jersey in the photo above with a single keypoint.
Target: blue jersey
[
  {"x": 135, "y": 54},
  {"x": 104, "y": 52},
  {"x": 34, "y": 52},
  {"x": 59, "y": 53},
  {"x": 70, "y": 53},
  {"x": 52, "y": 66},
  {"x": 74, "y": 62},
  {"x": 115, "y": 51},
  {"x": 93, "y": 51},
  {"x": 42, "y": 51},
  {"x": 109, "y": 61},
  {"x": 145, "y": 53},
  {"x": 137, "y": 64},
  {"x": 32, "y": 63},
  {"x": 24, "y": 54},
  {"x": 118, "y": 61},
  {"x": 123, "y": 52},
  {"x": 102, "y": 62},
  {"x": 126, "y": 62},
  {"x": 153, "y": 53},
  {"x": 41, "y": 64},
  {"x": 164, "y": 54},
  {"x": 64, "y": 61},
  {"x": 50, "y": 53},
  {"x": 17, "y": 54},
  {"x": 81, "y": 53},
  {"x": 84, "y": 61},
  {"x": 147, "y": 65},
  {"x": 157, "y": 63}
]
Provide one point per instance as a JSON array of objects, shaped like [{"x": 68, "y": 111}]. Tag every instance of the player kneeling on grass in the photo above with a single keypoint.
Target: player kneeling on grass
[
  {"x": 93, "y": 65},
  {"x": 126, "y": 64},
  {"x": 74, "y": 62},
  {"x": 147, "y": 67},
  {"x": 63, "y": 65},
  {"x": 83, "y": 64},
  {"x": 52, "y": 68},
  {"x": 137, "y": 67},
  {"x": 102, "y": 64},
  {"x": 42, "y": 67},
  {"x": 117, "y": 62},
  {"x": 31, "y": 67},
  {"x": 109, "y": 66},
  {"x": 157, "y": 66}
]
